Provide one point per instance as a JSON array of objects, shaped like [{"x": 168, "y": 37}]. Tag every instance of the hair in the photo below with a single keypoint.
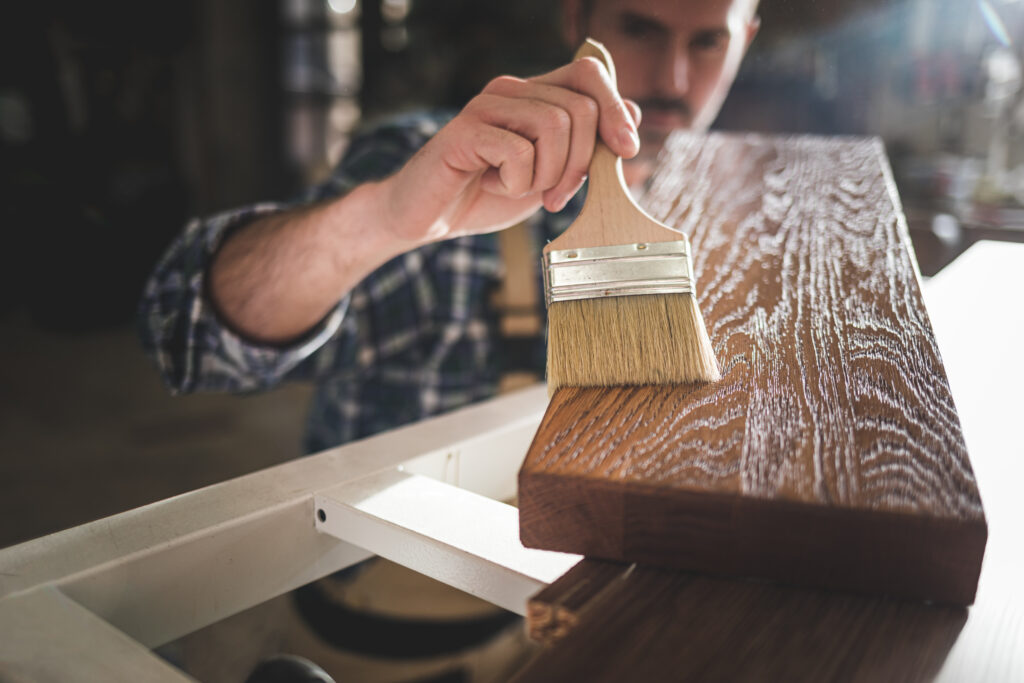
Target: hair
[{"x": 586, "y": 6}]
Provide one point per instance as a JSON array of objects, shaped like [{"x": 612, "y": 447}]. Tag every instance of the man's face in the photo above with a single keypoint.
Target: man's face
[{"x": 675, "y": 58}]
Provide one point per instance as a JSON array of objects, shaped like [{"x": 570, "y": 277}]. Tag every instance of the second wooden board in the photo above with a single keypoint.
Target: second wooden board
[{"x": 831, "y": 452}]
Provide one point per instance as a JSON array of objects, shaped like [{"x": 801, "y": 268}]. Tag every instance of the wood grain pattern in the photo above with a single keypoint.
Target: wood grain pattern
[
  {"x": 649, "y": 624},
  {"x": 830, "y": 453}
]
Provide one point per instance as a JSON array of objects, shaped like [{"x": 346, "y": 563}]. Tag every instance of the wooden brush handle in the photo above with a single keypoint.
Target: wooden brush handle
[{"x": 609, "y": 215}]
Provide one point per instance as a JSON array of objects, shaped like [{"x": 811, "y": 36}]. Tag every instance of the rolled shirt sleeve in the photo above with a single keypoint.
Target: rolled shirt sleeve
[
  {"x": 181, "y": 331},
  {"x": 193, "y": 348}
]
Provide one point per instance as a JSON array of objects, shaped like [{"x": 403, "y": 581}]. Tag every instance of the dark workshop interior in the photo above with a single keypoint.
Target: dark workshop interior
[{"x": 120, "y": 120}]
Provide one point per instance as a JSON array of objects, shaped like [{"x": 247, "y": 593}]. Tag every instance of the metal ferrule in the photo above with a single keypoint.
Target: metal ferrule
[{"x": 621, "y": 270}]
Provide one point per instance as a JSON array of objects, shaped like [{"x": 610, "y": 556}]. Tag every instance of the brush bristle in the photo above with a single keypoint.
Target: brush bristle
[{"x": 646, "y": 339}]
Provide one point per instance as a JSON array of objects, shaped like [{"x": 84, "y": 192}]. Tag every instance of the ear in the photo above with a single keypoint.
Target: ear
[{"x": 573, "y": 28}]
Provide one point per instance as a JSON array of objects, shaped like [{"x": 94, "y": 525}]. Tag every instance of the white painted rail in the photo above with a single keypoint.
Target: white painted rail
[
  {"x": 455, "y": 536},
  {"x": 110, "y": 590}
]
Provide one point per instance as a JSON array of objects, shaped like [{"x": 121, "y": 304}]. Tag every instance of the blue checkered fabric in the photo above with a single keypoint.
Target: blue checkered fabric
[{"x": 416, "y": 338}]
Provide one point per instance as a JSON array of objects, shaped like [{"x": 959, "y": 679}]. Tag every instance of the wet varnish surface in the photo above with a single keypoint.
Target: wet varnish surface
[{"x": 831, "y": 453}]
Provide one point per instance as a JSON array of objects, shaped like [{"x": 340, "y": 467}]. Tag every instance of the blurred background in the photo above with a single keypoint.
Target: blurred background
[{"x": 119, "y": 120}]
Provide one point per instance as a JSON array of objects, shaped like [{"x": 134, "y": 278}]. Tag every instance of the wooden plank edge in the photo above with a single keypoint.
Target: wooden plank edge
[{"x": 850, "y": 549}]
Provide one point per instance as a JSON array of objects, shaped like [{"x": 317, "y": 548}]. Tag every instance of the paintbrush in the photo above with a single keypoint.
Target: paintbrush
[{"x": 619, "y": 289}]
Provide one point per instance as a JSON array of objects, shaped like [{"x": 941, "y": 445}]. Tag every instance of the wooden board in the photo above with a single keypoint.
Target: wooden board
[
  {"x": 831, "y": 453},
  {"x": 652, "y": 624}
]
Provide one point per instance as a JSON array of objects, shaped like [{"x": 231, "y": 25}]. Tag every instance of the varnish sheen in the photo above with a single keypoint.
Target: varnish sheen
[{"x": 830, "y": 453}]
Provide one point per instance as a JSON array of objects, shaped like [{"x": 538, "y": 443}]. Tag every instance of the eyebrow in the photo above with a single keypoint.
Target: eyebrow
[
  {"x": 652, "y": 23},
  {"x": 714, "y": 33},
  {"x": 643, "y": 20}
]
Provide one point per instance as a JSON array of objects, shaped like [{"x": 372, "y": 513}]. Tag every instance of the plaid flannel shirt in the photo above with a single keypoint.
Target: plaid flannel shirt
[{"x": 416, "y": 338}]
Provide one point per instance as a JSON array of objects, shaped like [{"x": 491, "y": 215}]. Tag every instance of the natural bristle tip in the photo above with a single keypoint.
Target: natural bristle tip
[{"x": 629, "y": 340}]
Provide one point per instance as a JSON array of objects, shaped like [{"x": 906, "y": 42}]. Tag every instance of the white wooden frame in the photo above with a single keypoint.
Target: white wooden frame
[{"x": 90, "y": 602}]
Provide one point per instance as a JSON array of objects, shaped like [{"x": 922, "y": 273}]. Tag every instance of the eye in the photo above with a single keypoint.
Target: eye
[
  {"x": 710, "y": 41},
  {"x": 638, "y": 27}
]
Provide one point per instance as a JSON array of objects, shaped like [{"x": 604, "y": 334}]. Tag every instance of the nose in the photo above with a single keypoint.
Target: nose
[{"x": 674, "y": 70}]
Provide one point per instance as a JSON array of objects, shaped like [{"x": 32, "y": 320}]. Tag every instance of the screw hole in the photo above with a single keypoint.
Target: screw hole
[
  {"x": 641, "y": 246},
  {"x": 572, "y": 254},
  {"x": 321, "y": 515}
]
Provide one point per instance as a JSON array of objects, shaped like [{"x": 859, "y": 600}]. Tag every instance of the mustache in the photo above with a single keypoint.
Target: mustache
[{"x": 665, "y": 105}]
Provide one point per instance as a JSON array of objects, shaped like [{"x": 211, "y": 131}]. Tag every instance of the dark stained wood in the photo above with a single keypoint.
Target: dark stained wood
[
  {"x": 555, "y": 611},
  {"x": 651, "y": 624},
  {"x": 831, "y": 452}
]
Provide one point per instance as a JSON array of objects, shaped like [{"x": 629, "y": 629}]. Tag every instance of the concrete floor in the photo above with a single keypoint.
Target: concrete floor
[{"x": 87, "y": 430}]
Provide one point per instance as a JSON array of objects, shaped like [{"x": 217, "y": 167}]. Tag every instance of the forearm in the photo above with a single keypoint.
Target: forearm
[
  {"x": 277, "y": 277},
  {"x": 517, "y": 145}
]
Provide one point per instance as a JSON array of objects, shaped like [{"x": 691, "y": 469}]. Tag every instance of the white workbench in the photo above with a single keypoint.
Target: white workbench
[{"x": 89, "y": 603}]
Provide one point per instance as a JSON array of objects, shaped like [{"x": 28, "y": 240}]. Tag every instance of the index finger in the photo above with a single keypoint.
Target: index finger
[{"x": 589, "y": 77}]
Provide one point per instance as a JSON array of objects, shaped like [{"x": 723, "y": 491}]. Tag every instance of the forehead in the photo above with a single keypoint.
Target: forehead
[{"x": 680, "y": 15}]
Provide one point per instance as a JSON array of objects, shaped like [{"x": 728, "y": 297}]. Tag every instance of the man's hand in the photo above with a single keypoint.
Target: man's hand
[{"x": 517, "y": 145}]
